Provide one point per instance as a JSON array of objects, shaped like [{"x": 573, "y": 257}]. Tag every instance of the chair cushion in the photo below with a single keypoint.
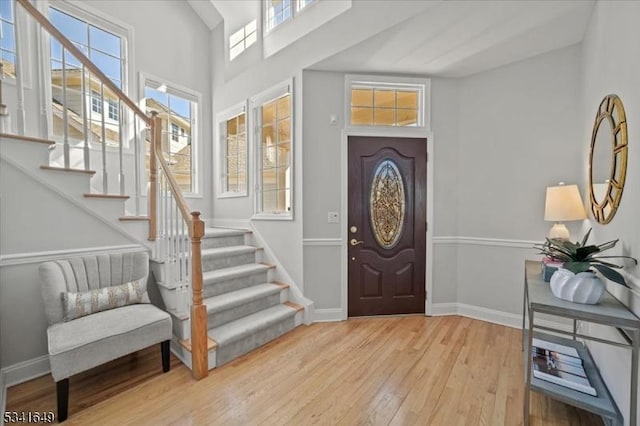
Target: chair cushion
[
  {"x": 83, "y": 303},
  {"x": 89, "y": 341}
]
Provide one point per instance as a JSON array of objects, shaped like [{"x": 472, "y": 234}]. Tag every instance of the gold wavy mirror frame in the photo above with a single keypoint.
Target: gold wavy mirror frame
[{"x": 608, "y": 159}]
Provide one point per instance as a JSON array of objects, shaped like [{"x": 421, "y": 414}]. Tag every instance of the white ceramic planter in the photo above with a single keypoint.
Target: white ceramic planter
[{"x": 584, "y": 287}]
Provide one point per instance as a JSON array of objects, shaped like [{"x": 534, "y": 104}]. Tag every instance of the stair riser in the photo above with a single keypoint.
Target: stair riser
[
  {"x": 29, "y": 155},
  {"x": 220, "y": 287},
  {"x": 235, "y": 240},
  {"x": 69, "y": 182},
  {"x": 104, "y": 207},
  {"x": 211, "y": 263},
  {"x": 236, "y": 349},
  {"x": 219, "y": 318}
]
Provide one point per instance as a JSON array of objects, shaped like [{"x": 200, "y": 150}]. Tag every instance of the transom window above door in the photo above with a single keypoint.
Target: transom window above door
[{"x": 386, "y": 103}]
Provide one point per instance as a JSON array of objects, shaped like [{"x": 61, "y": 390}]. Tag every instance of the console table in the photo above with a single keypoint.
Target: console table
[{"x": 539, "y": 299}]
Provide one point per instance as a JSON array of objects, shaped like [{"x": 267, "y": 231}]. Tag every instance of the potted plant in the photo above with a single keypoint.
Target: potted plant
[{"x": 576, "y": 281}]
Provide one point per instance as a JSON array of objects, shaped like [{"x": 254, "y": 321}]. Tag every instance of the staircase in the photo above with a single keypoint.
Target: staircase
[
  {"x": 236, "y": 305},
  {"x": 246, "y": 308}
]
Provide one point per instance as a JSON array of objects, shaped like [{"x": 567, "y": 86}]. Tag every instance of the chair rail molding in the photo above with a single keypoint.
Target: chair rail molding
[
  {"x": 485, "y": 241},
  {"x": 44, "y": 256}
]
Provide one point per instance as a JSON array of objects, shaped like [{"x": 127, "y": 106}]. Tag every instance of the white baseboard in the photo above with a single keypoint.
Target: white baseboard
[
  {"x": 26, "y": 370},
  {"x": 3, "y": 397},
  {"x": 328, "y": 315},
  {"x": 507, "y": 319}
]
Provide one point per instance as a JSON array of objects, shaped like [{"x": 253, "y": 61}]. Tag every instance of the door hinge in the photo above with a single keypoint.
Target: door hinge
[
  {"x": 427, "y": 157},
  {"x": 426, "y": 226}
]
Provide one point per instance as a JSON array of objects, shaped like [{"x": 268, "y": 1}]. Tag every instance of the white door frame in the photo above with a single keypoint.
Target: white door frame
[{"x": 390, "y": 132}]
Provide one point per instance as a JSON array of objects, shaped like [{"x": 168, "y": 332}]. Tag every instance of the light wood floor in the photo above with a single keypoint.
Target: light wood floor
[{"x": 378, "y": 371}]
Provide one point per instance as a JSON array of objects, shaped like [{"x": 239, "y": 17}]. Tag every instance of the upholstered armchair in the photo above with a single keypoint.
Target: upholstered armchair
[{"x": 98, "y": 310}]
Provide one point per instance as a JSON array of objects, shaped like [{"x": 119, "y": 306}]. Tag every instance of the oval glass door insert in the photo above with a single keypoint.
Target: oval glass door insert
[{"x": 387, "y": 202}]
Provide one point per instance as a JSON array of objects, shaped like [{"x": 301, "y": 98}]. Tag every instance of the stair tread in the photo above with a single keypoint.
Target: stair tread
[
  {"x": 26, "y": 138},
  {"x": 228, "y": 251},
  {"x": 234, "y": 271},
  {"x": 68, "y": 169},
  {"x": 223, "y": 232},
  {"x": 134, "y": 218},
  {"x": 240, "y": 328},
  {"x": 240, "y": 297},
  {"x": 108, "y": 196}
]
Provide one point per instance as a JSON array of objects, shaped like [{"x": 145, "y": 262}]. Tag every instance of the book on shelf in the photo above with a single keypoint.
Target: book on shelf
[
  {"x": 546, "y": 368},
  {"x": 555, "y": 347},
  {"x": 559, "y": 357},
  {"x": 561, "y": 362}
]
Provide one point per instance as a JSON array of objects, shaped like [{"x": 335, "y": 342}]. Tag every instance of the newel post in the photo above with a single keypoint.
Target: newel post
[
  {"x": 156, "y": 137},
  {"x": 199, "y": 347}
]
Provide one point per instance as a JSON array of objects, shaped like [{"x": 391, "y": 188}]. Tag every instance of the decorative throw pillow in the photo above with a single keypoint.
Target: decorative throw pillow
[{"x": 83, "y": 303}]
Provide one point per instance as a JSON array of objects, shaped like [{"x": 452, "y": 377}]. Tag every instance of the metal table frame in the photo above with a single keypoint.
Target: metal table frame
[{"x": 611, "y": 312}]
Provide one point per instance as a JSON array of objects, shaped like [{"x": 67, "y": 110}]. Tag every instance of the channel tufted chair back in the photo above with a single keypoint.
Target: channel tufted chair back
[{"x": 98, "y": 310}]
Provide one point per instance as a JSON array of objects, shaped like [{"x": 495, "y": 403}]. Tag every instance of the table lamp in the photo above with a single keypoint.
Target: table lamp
[{"x": 563, "y": 203}]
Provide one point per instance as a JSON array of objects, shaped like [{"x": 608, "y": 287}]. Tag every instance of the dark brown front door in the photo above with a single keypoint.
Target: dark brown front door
[{"x": 387, "y": 220}]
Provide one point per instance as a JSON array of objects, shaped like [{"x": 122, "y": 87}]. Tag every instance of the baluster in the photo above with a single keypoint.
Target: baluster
[
  {"x": 4, "y": 115},
  {"x": 65, "y": 112},
  {"x": 20, "y": 114},
  {"x": 85, "y": 118},
  {"x": 121, "y": 146},
  {"x": 105, "y": 181},
  {"x": 155, "y": 131},
  {"x": 136, "y": 165}
]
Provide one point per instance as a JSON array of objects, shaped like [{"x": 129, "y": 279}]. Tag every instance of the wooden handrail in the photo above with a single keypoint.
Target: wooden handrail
[{"x": 77, "y": 53}]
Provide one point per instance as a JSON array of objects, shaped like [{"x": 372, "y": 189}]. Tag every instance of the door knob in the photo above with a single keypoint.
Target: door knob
[{"x": 355, "y": 242}]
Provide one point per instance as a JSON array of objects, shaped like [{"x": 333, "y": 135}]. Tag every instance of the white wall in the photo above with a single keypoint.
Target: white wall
[
  {"x": 611, "y": 64},
  {"x": 519, "y": 133}
]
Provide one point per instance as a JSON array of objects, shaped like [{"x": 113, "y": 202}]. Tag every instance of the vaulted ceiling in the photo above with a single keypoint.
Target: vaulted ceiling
[{"x": 448, "y": 38}]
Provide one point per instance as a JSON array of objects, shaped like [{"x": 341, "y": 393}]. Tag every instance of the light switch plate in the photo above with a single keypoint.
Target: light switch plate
[{"x": 333, "y": 217}]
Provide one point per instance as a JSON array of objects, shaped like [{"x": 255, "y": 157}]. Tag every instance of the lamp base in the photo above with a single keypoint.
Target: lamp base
[{"x": 559, "y": 231}]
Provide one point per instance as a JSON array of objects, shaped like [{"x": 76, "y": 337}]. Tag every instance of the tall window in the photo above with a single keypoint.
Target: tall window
[
  {"x": 178, "y": 111},
  {"x": 386, "y": 103},
  {"x": 274, "y": 117},
  {"x": 70, "y": 83},
  {"x": 242, "y": 39},
  {"x": 7, "y": 41},
  {"x": 232, "y": 126},
  {"x": 278, "y": 11}
]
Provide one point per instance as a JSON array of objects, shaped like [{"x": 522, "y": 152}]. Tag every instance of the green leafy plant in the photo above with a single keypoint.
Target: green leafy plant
[{"x": 579, "y": 257}]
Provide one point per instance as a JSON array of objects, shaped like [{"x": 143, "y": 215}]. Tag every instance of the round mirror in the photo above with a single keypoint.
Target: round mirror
[{"x": 607, "y": 159}]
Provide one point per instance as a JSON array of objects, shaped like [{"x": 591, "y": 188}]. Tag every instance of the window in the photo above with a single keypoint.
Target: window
[
  {"x": 178, "y": 110},
  {"x": 232, "y": 125},
  {"x": 386, "y": 103},
  {"x": 242, "y": 39},
  {"x": 273, "y": 115},
  {"x": 71, "y": 82},
  {"x": 278, "y": 11},
  {"x": 114, "y": 110},
  {"x": 7, "y": 39},
  {"x": 96, "y": 102},
  {"x": 174, "y": 132}
]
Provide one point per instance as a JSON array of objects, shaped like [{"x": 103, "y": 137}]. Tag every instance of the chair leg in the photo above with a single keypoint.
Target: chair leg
[
  {"x": 62, "y": 390},
  {"x": 166, "y": 360}
]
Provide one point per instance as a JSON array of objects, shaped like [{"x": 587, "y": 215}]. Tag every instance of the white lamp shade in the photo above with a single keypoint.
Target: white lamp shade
[{"x": 563, "y": 203}]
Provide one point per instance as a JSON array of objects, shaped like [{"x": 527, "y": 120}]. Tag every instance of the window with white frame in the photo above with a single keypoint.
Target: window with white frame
[
  {"x": 242, "y": 39},
  {"x": 96, "y": 102},
  {"x": 386, "y": 103},
  {"x": 72, "y": 85},
  {"x": 233, "y": 152},
  {"x": 114, "y": 110},
  {"x": 278, "y": 11},
  {"x": 273, "y": 117},
  {"x": 7, "y": 38},
  {"x": 178, "y": 110}
]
